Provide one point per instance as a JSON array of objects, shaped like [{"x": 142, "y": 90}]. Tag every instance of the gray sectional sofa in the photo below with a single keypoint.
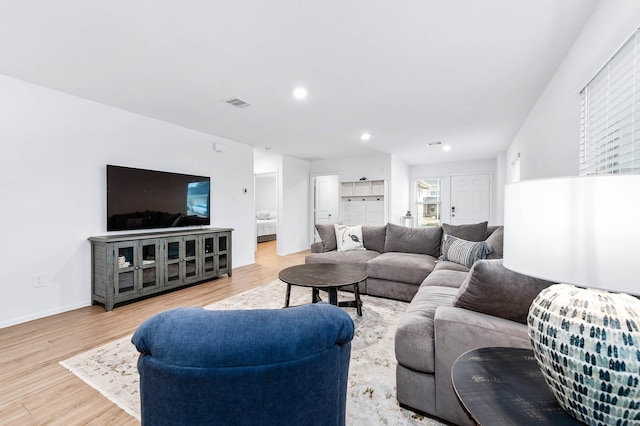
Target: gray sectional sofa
[{"x": 453, "y": 308}]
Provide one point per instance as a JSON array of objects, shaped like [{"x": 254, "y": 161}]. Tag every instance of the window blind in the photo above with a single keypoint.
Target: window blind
[{"x": 610, "y": 115}]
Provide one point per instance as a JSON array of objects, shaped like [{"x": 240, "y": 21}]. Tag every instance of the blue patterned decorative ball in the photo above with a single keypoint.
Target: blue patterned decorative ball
[{"x": 587, "y": 344}]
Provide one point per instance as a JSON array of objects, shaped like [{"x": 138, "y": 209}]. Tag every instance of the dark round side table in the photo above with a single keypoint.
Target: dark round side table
[{"x": 504, "y": 386}]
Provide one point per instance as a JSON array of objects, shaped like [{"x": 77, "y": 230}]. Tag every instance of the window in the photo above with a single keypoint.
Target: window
[
  {"x": 610, "y": 115},
  {"x": 428, "y": 202}
]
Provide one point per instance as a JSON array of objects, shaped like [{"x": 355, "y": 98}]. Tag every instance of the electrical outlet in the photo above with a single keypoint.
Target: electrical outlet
[{"x": 38, "y": 280}]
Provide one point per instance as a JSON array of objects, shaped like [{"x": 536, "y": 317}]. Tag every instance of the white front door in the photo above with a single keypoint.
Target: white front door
[
  {"x": 470, "y": 198},
  {"x": 326, "y": 200}
]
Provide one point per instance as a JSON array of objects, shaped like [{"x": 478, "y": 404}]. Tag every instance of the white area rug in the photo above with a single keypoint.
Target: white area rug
[{"x": 111, "y": 368}]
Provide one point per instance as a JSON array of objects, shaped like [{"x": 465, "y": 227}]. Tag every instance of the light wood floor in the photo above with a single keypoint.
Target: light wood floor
[{"x": 36, "y": 390}]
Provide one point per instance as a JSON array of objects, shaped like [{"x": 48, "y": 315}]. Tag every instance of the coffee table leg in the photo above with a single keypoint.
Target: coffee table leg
[
  {"x": 333, "y": 296},
  {"x": 286, "y": 301},
  {"x": 315, "y": 295},
  {"x": 356, "y": 290}
]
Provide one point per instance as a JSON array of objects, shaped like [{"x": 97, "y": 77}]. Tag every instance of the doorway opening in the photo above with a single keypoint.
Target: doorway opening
[
  {"x": 325, "y": 202},
  {"x": 266, "y": 202}
]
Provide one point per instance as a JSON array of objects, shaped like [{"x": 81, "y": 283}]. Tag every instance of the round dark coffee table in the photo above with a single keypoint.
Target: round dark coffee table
[{"x": 326, "y": 276}]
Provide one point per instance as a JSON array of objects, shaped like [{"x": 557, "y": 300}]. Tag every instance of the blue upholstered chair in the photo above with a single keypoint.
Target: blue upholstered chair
[{"x": 249, "y": 367}]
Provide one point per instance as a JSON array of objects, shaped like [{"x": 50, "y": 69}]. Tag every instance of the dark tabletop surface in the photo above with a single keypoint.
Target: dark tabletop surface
[
  {"x": 504, "y": 386},
  {"x": 320, "y": 275}
]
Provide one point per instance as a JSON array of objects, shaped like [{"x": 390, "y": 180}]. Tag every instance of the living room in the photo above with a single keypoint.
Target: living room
[{"x": 57, "y": 142}]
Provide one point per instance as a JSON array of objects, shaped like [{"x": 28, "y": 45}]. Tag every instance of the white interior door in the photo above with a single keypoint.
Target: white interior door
[
  {"x": 470, "y": 198},
  {"x": 326, "y": 200}
]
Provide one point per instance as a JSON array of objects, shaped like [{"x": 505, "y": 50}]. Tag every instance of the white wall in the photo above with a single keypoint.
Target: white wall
[
  {"x": 444, "y": 171},
  {"x": 52, "y": 189},
  {"x": 272, "y": 164},
  {"x": 351, "y": 169},
  {"x": 293, "y": 221},
  {"x": 266, "y": 191},
  {"x": 399, "y": 188},
  {"x": 293, "y": 201},
  {"x": 549, "y": 138},
  {"x": 500, "y": 181}
]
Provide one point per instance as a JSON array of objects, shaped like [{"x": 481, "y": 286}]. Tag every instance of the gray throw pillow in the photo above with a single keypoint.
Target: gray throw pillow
[
  {"x": 373, "y": 237},
  {"x": 495, "y": 241},
  {"x": 492, "y": 289},
  {"x": 462, "y": 251},
  {"x": 470, "y": 232},
  {"x": 327, "y": 234},
  {"x": 424, "y": 240}
]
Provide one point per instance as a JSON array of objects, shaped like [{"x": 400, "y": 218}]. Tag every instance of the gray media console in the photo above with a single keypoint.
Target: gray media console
[{"x": 131, "y": 266}]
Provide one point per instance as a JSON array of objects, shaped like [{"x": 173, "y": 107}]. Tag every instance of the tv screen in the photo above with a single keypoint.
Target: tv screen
[{"x": 147, "y": 199}]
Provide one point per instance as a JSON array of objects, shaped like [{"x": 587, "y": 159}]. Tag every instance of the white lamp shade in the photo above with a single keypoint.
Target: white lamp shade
[{"x": 580, "y": 230}]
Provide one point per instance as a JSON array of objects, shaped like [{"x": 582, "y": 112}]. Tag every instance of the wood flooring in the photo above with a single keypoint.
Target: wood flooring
[{"x": 36, "y": 390}]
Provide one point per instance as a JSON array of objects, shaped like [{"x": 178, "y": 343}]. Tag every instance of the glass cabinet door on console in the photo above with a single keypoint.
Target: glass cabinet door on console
[
  {"x": 223, "y": 253},
  {"x": 209, "y": 261},
  {"x": 147, "y": 266},
  {"x": 136, "y": 271},
  {"x": 181, "y": 260},
  {"x": 216, "y": 250}
]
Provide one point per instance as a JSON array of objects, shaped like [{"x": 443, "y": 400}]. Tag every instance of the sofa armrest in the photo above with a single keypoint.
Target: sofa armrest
[
  {"x": 317, "y": 247},
  {"x": 459, "y": 330}
]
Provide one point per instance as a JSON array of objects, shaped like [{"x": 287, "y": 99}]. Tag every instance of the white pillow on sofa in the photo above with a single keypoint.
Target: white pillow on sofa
[{"x": 349, "y": 237}]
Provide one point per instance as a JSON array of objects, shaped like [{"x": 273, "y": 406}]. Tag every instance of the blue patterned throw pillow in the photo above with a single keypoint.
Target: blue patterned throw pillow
[{"x": 464, "y": 252}]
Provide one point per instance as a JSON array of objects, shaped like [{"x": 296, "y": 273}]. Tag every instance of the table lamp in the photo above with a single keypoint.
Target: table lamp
[{"x": 584, "y": 233}]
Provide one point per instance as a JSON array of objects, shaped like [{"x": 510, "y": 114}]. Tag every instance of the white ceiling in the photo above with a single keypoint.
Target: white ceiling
[{"x": 464, "y": 72}]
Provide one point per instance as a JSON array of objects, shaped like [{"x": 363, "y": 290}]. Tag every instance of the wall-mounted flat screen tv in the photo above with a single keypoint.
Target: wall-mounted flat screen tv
[{"x": 148, "y": 199}]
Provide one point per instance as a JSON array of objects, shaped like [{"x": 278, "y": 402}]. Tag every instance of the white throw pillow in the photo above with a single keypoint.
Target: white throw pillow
[
  {"x": 349, "y": 237},
  {"x": 272, "y": 214},
  {"x": 262, "y": 214}
]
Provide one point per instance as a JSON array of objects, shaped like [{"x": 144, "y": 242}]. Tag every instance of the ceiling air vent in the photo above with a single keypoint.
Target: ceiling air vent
[{"x": 238, "y": 103}]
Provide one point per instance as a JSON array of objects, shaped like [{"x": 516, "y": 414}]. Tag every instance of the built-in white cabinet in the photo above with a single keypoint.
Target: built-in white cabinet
[{"x": 363, "y": 202}]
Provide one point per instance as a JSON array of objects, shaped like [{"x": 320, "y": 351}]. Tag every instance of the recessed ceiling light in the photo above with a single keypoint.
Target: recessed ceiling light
[
  {"x": 446, "y": 148},
  {"x": 300, "y": 93},
  {"x": 365, "y": 136}
]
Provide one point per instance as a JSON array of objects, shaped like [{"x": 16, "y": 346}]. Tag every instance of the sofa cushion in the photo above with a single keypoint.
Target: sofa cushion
[
  {"x": 492, "y": 289},
  {"x": 446, "y": 278},
  {"x": 495, "y": 240},
  {"x": 470, "y": 232},
  {"x": 349, "y": 237},
  {"x": 373, "y": 237},
  {"x": 391, "y": 289},
  {"x": 413, "y": 240},
  {"x": 462, "y": 251},
  {"x": 450, "y": 266},
  {"x": 327, "y": 234},
  {"x": 404, "y": 267},
  {"x": 354, "y": 257},
  {"x": 414, "y": 340}
]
